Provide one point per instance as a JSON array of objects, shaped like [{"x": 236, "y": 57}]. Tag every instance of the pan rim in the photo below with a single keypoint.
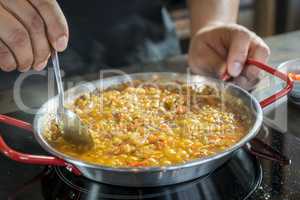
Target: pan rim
[{"x": 79, "y": 163}]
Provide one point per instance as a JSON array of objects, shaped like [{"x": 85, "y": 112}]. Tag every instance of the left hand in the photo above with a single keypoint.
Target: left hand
[{"x": 218, "y": 47}]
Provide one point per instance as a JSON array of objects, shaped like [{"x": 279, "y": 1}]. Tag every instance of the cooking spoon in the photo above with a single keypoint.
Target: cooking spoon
[{"x": 69, "y": 123}]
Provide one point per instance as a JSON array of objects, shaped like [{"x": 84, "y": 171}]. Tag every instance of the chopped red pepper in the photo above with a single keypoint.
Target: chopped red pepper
[{"x": 137, "y": 164}]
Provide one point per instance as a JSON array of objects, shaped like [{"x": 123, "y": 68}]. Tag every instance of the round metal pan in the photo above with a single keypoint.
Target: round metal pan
[{"x": 143, "y": 176}]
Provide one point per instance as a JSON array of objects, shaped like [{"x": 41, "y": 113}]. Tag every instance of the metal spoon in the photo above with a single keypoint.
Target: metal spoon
[{"x": 71, "y": 126}]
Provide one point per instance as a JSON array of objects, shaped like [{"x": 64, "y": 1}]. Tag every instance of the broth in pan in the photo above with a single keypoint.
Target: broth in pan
[{"x": 136, "y": 125}]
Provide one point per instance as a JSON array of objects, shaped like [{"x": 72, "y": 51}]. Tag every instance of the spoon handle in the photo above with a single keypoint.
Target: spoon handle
[{"x": 56, "y": 67}]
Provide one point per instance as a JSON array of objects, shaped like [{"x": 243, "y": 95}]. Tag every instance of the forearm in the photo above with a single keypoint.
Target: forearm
[{"x": 204, "y": 12}]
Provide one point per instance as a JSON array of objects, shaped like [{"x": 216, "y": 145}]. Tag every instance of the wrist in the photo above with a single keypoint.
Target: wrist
[{"x": 210, "y": 25}]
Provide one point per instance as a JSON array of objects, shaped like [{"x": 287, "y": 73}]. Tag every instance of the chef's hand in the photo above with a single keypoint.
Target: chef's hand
[
  {"x": 219, "y": 46},
  {"x": 26, "y": 29}
]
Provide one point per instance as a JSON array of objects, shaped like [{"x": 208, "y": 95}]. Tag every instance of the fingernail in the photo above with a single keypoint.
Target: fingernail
[
  {"x": 8, "y": 69},
  {"x": 61, "y": 43},
  {"x": 235, "y": 69},
  {"x": 41, "y": 66}
]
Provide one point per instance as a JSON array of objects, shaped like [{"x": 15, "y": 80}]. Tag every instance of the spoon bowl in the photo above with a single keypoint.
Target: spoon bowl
[{"x": 73, "y": 130}]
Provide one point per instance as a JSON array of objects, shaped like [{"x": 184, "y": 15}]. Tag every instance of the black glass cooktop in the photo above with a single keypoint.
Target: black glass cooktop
[
  {"x": 242, "y": 177},
  {"x": 228, "y": 182}
]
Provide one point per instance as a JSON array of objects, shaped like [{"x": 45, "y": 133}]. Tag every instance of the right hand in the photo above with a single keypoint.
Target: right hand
[
  {"x": 28, "y": 30},
  {"x": 218, "y": 47}
]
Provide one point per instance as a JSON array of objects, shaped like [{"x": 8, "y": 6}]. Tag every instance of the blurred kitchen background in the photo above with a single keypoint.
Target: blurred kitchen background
[{"x": 264, "y": 17}]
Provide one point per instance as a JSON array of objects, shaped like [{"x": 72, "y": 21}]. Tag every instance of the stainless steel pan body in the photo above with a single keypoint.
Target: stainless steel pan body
[
  {"x": 138, "y": 177},
  {"x": 150, "y": 176}
]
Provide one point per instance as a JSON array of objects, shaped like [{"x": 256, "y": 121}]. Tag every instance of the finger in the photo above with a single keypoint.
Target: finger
[
  {"x": 238, "y": 52},
  {"x": 16, "y": 37},
  {"x": 35, "y": 26},
  {"x": 56, "y": 24},
  {"x": 258, "y": 51},
  {"x": 245, "y": 83},
  {"x": 7, "y": 60}
]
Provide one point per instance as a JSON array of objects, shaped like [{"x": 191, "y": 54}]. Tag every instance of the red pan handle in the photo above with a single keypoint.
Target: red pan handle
[
  {"x": 273, "y": 71},
  {"x": 262, "y": 150},
  {"x": 257, "y": 147},
  {"x": 28, "y": 158}
]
